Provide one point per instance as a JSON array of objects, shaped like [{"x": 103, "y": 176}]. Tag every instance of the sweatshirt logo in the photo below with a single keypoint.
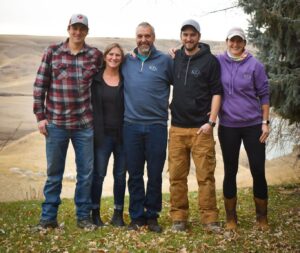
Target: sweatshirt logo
[
  {"x": 196, "y": 72},
  {"x": 153, "y": 68},
  {"x": 247, "y": 76}
]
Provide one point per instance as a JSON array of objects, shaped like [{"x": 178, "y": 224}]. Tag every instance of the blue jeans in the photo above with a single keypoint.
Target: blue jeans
[
  {"x": 145, "y": 143},
  {"x": 57, "y": 143},
  {"x": 102, "y": 155}
]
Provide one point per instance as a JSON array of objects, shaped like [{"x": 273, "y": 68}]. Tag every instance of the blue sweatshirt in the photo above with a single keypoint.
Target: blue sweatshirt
[
  {"x": 147, "y": 88},
  {"x": 246, "y": 89}
]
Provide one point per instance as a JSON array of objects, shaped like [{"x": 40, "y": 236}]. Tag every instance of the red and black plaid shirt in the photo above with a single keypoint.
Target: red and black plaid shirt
[{"x": 64, "y": 81}]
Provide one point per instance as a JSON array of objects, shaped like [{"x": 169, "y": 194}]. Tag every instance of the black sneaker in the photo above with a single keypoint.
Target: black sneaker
[
  {"x": 45, "y": 224},
  {"x": 97, "y": 221},
  {"x": 136, "y": 224},
  {"x": 86, "y": 224},
  {"x": 117, "y": 219},
  {"x": 96, "y": 218},
  {"x": 153, "y": 225}
]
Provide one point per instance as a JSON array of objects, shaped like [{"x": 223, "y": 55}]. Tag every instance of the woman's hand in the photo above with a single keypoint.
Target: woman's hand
[{"x": 265, "y": 133}]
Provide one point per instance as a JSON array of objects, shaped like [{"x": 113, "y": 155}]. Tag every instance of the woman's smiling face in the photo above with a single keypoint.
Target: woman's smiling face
[{"x": 236, "y": 45}]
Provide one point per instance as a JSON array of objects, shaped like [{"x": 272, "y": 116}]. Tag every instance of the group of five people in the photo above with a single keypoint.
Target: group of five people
[{"x": 118, "y": 104}]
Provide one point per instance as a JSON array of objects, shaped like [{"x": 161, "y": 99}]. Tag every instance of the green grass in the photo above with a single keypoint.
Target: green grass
[{"x": 17, "y": 219}]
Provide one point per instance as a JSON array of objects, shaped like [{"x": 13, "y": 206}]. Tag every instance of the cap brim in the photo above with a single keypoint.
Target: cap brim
[{"x": 234, "y": 35}]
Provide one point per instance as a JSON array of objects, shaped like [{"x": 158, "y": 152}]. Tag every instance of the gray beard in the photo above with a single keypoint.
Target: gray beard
[{"x": 144, "y": 51}]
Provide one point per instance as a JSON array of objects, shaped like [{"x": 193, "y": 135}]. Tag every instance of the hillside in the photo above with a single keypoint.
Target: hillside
[{"x": 20, "y": 57}]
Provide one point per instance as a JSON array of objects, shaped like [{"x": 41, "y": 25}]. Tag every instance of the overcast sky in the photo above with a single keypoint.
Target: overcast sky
[{"x": 117, "y": 18}]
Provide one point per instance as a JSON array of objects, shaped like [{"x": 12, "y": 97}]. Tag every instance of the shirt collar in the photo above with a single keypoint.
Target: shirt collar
[{"x": 65, "y": 47}]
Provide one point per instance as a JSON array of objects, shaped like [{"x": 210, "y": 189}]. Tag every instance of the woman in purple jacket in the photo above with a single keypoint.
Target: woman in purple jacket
[{"x": 243, "y": 117}]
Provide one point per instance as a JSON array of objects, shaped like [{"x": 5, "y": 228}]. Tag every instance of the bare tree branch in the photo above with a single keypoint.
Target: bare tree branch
[{"x": 215, "y": 11}]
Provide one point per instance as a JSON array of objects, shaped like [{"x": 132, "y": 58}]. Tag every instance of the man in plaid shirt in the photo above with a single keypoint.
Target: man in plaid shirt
[{"x": 63, "y": 110}]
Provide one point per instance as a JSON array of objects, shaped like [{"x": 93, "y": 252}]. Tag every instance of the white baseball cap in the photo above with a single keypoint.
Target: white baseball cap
[{"x": 236, "y": 31}]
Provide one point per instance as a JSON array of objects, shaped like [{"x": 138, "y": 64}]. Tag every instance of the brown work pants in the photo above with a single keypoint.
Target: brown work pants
[{"x": 184, "y": 143}]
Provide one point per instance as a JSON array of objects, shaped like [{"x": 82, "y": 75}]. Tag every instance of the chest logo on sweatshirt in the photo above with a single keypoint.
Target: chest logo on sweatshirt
[
  {"x": 195, "y": 72},
  {"x": 247, "y": 76},
  {"x": 153, "y": 68}
]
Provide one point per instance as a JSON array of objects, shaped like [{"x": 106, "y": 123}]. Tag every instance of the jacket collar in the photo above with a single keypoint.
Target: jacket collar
[{"x": 152, "y": 51}]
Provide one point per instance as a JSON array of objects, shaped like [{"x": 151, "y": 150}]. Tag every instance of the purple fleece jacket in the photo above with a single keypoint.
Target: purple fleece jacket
[{"x": 246, "y": 89}]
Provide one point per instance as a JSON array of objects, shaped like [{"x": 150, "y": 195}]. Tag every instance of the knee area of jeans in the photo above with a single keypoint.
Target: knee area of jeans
[
  {"x": 54, "y": 179},
  {"x": 119, "y": 174},
  {"x": 87, "y": 179},
  {"x": 133, "y": 177},
  {"x": 98, "y": 180}
]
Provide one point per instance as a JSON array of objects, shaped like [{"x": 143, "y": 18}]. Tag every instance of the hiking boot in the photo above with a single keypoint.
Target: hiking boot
[
  {"x": 231, "y": 216},
  {"x": 136, "y": 224},
  {"x": 45, "y": 224},
  {"x": 153, "y": 225},
  {"x": 179, "y": 226},
  {"x": 86, "y": 224},
  {"x": 117, "y": 219},
  {"x": 96, "y": 218},
  {"x": 213, "y": 227},
  {"x": 261, "y": 206}
]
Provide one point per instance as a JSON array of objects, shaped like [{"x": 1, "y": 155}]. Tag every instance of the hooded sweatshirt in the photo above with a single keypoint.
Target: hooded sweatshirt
[
  {"x": 147, "y": 88},
  {"x": 246, "y": 89},
  {"x": 196, "y": 81}
]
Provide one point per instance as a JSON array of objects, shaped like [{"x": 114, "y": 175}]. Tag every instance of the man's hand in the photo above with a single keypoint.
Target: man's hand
[
  {"x": 206, "y": 129},
  {"x": 172, "y": 52},
  {"x": 42, "y": 126}
]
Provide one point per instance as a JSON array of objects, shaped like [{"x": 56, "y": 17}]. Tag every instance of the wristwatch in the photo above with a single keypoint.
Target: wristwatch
[
  {"x": 211, "y": 123},
  {"x": 267, "y": 122}
]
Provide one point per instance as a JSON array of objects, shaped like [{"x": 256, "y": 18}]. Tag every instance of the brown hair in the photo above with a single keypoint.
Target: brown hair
[{"x": 109, "y": 48}]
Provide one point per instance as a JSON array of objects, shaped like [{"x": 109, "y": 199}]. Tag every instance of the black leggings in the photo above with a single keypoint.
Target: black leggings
[{"x": 230, "y": 139}]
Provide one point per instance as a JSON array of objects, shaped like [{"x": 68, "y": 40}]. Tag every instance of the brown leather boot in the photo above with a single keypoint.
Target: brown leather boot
[
  {"x": 261, "y": 206},
  {"x": 231, "y": 217}
]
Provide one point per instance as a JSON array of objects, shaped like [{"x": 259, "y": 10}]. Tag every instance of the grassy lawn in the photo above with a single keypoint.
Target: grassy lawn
[{"x": 17, "y": 219}]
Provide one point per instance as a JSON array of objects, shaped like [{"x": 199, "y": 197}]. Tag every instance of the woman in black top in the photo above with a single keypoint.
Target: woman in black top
[{"x": 108, "y": 109}]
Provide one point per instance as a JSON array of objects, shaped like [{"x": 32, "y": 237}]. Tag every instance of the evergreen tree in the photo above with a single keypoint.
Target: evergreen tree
[{"x": 275, "y": 30}]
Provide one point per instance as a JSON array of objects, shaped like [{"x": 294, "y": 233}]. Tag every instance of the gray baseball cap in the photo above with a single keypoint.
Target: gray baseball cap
[
  {"x": 191, "y": 22},
  {"x": 79, "y": 19}
]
